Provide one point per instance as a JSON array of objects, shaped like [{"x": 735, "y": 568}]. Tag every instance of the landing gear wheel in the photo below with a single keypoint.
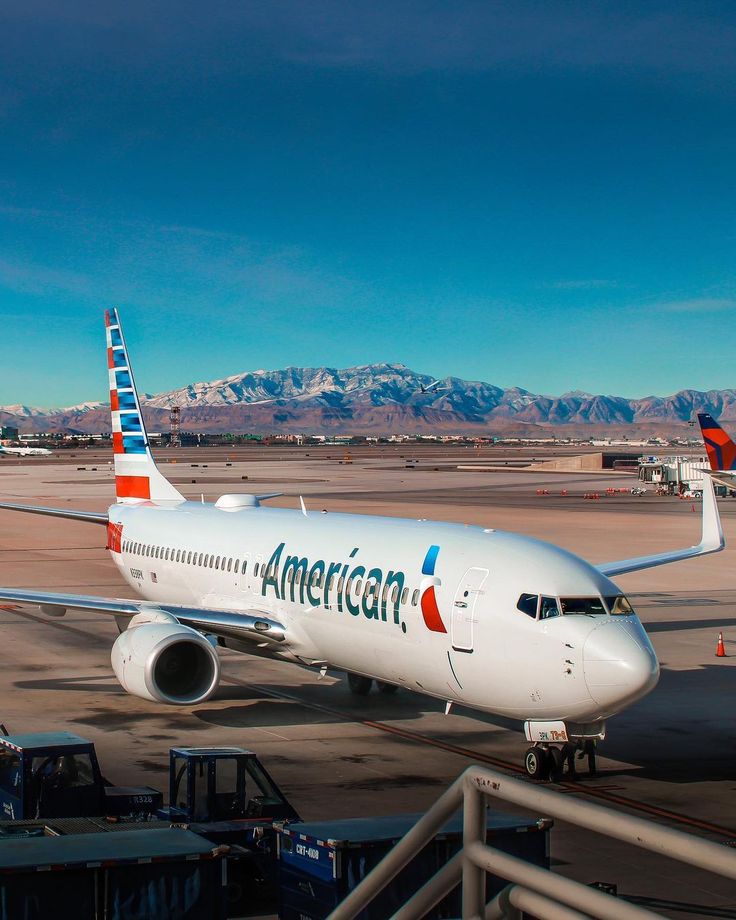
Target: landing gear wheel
[
  {"x": 536, "y": 763},
  {"x": 556, "y": 763},
  {"x": 360, "y": 686},
  {"x": 386, "y": 688}
]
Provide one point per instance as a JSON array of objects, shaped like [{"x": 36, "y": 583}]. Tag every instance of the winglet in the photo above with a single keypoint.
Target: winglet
[
  {"x": 711, "y": 540},
  {"x": 719, "y": 446},
  {"x": 136, "y": 475}
]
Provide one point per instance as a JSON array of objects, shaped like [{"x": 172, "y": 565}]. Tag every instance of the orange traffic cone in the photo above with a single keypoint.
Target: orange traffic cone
[{"x": 720, "y": 648}]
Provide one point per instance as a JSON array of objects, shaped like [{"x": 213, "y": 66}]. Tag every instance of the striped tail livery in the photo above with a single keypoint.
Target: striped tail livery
[
  {"x": 136, "y": 476},
  {"x": 720, "y": 448}
]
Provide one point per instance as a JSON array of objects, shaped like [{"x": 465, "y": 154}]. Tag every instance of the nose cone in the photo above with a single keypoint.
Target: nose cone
[{"x": 619, "y": 664}]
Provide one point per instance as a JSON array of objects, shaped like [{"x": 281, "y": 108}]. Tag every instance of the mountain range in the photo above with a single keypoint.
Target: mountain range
[{"x": 384, "y": 399}]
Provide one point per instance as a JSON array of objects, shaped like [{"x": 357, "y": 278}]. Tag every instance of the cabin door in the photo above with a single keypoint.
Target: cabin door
[{"x": 464, "y": 609}]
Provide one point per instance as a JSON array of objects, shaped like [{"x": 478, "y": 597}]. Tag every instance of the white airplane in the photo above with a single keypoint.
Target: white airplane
[
  {"x": 26, "y": 451},
  {"x": 434, "y": 385},
  {"x": 474, "y": 616}
]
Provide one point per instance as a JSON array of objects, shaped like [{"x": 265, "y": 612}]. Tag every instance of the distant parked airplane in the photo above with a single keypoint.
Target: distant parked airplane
[
  {"x": 720, "y": 448},
  {"x": 26, "y": 451},
  {"x": 474, "y": 616}
]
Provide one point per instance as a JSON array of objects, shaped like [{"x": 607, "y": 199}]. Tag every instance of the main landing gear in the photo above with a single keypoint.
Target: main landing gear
[
  {"x": 361, "y": 686},
  {"x": 544, "y": 761}
]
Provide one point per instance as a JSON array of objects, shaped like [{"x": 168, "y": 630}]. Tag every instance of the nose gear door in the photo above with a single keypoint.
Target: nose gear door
[{"x": 464, "y": 607}]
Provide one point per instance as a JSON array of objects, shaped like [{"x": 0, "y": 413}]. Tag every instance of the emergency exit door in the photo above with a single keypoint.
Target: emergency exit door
[{"x": 464, "y": 609}]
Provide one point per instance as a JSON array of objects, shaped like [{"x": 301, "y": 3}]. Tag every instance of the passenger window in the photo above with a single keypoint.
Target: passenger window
[
  {"x": 166, "y": 554},
  {"x": 340, "y": 583},
  {"x": 394, "y": 594},
  {"x": 200, "y": 559},
  {"x": 528, "y": 605},
  {"x": 189, "y": 558},
  {"x": 404, "y": 595},
  {"x": 245, "y": 566},
  {"x": 255, "y": 568},
  {"x": 415, "y": 597},
  {"x": 230, "y": 564},
  {"x": 548, "y": 608},
  {"x": 358, "y": 584}
]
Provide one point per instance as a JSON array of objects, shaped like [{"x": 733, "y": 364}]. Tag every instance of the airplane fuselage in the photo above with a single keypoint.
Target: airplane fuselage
[{"x": 433, "y": 607}]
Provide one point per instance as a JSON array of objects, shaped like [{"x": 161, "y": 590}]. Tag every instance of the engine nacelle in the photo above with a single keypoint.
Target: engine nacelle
[{"x": 159, "y": 659}]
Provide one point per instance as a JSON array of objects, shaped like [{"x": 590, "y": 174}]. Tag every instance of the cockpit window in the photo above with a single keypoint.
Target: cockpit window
[
  {"x": 548, "y": 608},
  {"x": 528, "y": 605},
  {"x": 587, "y": 606},
  {"x": 619, "y": 605}
]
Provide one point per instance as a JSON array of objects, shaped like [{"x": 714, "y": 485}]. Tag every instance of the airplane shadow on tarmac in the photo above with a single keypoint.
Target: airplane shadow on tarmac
[
  {"x": 683, "y": 732},
  {"x": 674, "y": 625},
  {"x": 76, "y": 683},
  {"x": 259, "y": 711}
]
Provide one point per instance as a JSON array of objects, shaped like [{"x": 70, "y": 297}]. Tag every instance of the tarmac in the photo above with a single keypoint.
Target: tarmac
[{"x": 671, "y": 757}]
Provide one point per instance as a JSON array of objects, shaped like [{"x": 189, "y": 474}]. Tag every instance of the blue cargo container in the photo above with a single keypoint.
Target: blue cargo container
[
  {"x": 167, "y": 874},
  {"x": 321, "y": 862}
]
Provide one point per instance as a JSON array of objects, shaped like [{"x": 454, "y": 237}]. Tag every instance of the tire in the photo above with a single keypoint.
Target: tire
[
  {"x": 556, "y": 761},
  {"x": 386, "y": 688},
  {"x": 360, "y": 686},
  {"x": 536, "y": 763}
]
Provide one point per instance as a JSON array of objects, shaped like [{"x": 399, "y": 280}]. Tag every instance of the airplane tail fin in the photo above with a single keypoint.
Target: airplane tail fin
[
  {"x": 137, "y": 477},
  {"x": 720, "y": 448}
]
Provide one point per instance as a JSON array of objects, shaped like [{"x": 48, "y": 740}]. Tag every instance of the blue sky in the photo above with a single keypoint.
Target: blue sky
[{"x": 533, "y": 194}]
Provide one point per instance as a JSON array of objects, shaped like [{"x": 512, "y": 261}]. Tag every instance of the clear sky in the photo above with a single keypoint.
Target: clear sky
[{"x": 535, "y": 194}]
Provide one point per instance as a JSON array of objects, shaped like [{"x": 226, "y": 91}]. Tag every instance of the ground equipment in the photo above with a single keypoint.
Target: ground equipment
[
  {"x": 214, "y": 784},
  {"x": 56, "y": 775}
]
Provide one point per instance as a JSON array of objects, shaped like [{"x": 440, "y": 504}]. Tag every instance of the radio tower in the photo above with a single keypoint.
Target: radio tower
[{"x": 175, "y": 433}]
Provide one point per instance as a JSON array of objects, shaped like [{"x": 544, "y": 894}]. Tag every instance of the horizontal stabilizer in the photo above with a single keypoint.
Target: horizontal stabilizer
[{"x": 92, "y": 517}]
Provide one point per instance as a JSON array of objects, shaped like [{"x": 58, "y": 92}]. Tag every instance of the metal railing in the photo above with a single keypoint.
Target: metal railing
[{"x": 539, "y": 891}]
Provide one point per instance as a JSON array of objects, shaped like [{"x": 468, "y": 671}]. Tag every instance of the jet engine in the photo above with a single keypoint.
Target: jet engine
[{"x": 159, "y": 659}]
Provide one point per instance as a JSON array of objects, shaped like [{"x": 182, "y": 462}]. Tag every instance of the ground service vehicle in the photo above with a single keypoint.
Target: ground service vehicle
[{"x": 56, "y": 775}]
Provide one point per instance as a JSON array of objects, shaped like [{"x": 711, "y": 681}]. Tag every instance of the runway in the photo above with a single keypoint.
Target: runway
[{"x": 670, "y": 756}]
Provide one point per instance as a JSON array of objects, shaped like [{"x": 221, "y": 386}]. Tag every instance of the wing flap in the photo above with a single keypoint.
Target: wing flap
[
  {"x": 250, "y": 625},
  {"x": 711, "y": 541}
]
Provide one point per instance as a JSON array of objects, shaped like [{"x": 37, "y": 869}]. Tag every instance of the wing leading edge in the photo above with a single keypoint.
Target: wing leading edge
[
  {"x": 711, "y": 541},
  {"x": 233, "y": 624}
]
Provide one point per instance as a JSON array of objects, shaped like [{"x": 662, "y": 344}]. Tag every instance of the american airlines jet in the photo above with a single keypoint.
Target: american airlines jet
[{"x": 473, "y": 616}]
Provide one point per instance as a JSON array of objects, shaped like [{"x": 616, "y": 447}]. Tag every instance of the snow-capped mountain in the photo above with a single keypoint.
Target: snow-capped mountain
[{"x": 380, "y": 398}]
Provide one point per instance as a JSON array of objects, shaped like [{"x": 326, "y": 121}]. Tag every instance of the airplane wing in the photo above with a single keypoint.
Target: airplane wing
[
  {"x": 95, "y": 517},
  {"x": 711, "y": 541},
  {"x": 233, "y": 624}
]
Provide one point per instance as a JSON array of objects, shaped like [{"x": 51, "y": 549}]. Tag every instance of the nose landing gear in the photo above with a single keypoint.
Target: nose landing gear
[
  {"x": 557, "y": 744},
  {"x": 548, "y": 761}
]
